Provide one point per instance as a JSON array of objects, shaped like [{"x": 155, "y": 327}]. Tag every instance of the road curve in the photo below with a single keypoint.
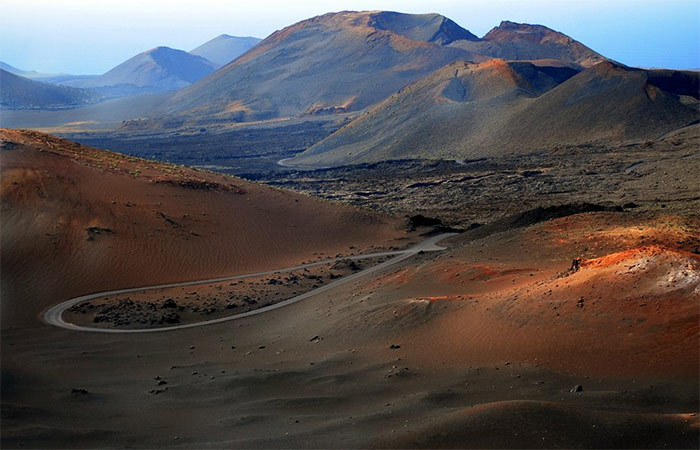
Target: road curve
[
  {"x": 54, "y": 315},
  {"x": 284, "y": 163}
]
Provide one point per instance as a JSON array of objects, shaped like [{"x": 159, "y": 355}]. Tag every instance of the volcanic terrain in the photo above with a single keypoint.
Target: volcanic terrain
[
  {"x": 495, "y": 108},
  {"x": 511, "y": 325},
  {"x": 89, "y": 220},
  {"x": 434, "y": 240}
]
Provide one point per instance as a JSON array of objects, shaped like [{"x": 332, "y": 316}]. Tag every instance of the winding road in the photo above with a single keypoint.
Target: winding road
[{"x": 54, "y": 315}]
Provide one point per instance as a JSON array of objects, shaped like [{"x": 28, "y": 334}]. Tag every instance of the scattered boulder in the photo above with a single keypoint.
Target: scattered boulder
[
  {"x": 345, "y": 264},
  {"x": 420, "y": 220},
  {"x": 575, "y": 265},
  {"x": 169, "y": 303},
  {"x": 577, "y": 388},
  {"x": 92, "y": 232}
]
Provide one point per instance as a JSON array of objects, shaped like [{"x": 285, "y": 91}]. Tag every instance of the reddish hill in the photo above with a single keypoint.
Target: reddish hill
[
  {"x": 516, "y": 296},
  {"x": 327, "y": 64},
  {"x": 77, "y": 220},
  {"x": 347, "y": 61}
]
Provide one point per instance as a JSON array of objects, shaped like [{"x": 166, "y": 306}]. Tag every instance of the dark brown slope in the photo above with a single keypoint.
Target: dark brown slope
[
  {"x": 521, "y": 41},
  {"x": 496, "y": 108},
  {"x": 77, "y": 220},
  {"x": 332, "y": 63},
  {"x": 17, "y": 92}
]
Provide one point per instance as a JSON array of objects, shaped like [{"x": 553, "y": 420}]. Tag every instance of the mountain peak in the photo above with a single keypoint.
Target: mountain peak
[
  {"x": 531, "y": 41},
  {"x": 430, "y": 27},
  {"x": 508, "y": 30},
  {"x": 422, "y": 27},
  {"x": 162, "y": 51},
  {"x": 225, "y": 48},
  {"x": 510, "y": 25},
  {"x": 159, "y": 69}
]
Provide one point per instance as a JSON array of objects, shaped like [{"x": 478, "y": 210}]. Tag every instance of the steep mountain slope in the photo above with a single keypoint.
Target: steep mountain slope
[
  {"x": 18, "y": 92},
  {"x": 520, "y": 41},
  {"x": 225, "y": 48},
  {"x": 157, "y": 70},
  {"x": 494, "y": 108},
  {"x": 332, "y": 63}
]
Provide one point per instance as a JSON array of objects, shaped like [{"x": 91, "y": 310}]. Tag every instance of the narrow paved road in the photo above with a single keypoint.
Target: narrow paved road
[{"x": 54, "y": 315}]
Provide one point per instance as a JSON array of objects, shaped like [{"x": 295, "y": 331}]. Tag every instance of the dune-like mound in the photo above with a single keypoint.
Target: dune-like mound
[
  {"x": 644, "y": 299},
  {"x": 77, "y": 220},
  {"x": 627, "y": 304},
  {"x": 649, "y": 272}
]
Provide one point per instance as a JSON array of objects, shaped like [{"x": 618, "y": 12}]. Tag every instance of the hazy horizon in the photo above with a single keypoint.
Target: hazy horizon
[{"x": 84, "y": 37}]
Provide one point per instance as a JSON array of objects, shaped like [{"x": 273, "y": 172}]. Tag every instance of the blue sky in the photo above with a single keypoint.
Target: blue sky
[{"x": 92, "y": 36}]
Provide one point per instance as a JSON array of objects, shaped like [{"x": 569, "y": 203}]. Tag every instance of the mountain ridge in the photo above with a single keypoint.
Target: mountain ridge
[
  {"x": 505, "y": 107},
  {"x": 348, "y": 61}
]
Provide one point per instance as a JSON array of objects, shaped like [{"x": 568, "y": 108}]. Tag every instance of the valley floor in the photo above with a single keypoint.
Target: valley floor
[{"x": 648, "y": 176}]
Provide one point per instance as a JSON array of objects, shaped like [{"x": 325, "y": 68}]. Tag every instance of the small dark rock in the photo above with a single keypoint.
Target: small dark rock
[
  {"x": 575, "y": 265},
  {"x": 420, "y": 220},
  {"x": 170, "y": 303}
]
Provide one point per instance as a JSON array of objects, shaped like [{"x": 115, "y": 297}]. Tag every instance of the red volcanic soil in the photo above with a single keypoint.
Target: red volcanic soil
[
  {"x": 517, "y": 296},
  {"x": 77, "y": 220},
  {"x": 486, "y": 345}
]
